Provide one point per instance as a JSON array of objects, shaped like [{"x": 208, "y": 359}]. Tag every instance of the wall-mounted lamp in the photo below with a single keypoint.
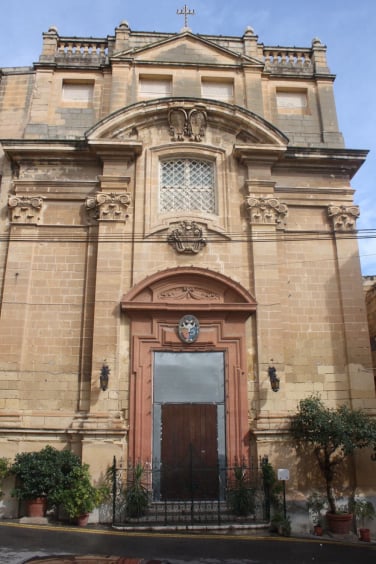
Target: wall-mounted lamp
[
  {"x": 274, "y": 380},
  {"x": 104, "y": 376}
]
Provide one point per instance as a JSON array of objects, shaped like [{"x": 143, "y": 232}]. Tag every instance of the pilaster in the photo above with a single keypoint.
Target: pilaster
[{"x": 358, "y": 361}]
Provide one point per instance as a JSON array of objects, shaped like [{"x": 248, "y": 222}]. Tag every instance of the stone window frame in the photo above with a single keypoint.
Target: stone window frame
[
  {"x": 155, "y": 220},
  {"x": 216, "y": 82},
  {"x": 155, "y": 78},
  {"x": 303, "y": 109},
  {"x": 84, "y": 102}
]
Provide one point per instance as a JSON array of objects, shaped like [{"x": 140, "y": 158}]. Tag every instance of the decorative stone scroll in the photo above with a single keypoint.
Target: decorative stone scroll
[
  {"x": 187, "y": 238},
  {"x": 25, "y": 209},
  {"x": 191, "y": 124},
  {"x": 266, "y": 210},
  {"x": 108, "y": 207},
  {"x": 343, "y": 217},
  {"x": 183, "y": 293}
]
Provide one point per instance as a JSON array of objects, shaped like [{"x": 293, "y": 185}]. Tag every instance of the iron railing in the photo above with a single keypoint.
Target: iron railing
[{"x": 241, "y": 497}]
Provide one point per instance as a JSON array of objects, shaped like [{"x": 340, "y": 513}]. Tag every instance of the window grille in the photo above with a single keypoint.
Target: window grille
[{"x": 187, "y": 184}]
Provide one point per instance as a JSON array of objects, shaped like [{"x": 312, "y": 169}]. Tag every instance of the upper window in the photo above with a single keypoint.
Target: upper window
[
  {"x": 292, "y": 100},
  {"x": 186, "y": 185},
  {"x": 217, "y": 89},
  {"x": 155, "y": 86},
  {"x": 80, "y": 92}
]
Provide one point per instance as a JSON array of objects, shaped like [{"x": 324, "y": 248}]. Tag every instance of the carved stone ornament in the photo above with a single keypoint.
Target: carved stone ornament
[
  {"x": 187, "y": 238},
  {"x": 189, "y": 293},
  {"x": 25, "y": 209},
  {"x": 188, "y": 329},
  {"x": 196, "y": 124},
  {"x": 108, "y": 207},
  {"x": 191, "y": 125},
  {"x": 343, "y": 217},
  {"x": 266, "y": 210}
]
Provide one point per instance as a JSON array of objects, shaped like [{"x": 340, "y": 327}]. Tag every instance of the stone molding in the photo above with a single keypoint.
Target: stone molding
[
  {"x": 343, "y": 217},
  {"x": 266, "y": 211},
  {"x": 187, "y": 238},
  {"x": 108, "y": 207},
  {"x": 25, "y": 209}
]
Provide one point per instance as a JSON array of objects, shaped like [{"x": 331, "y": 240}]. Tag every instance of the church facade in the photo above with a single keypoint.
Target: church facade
[{"x": 178, "y": 254}]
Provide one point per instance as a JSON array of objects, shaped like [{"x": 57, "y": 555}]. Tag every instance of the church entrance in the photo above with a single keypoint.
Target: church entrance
[
  {"x": 188, "y": 400},
  {"x": 189, "y": 425}
]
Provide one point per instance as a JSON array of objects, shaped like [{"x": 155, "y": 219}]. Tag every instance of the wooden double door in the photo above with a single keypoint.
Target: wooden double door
[
  {"x": 189, "y": 425},
  {"x": 189, "y": 452}
]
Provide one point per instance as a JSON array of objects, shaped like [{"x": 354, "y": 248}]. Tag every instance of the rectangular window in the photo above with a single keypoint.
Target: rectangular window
[
  {"x": 217, "y": 89},
  {"x": 187, "y": 185},
  {"x": 289, "y": 100},
  {"x": 80, "y": 92},
  {"x": 155, "y": 87}
]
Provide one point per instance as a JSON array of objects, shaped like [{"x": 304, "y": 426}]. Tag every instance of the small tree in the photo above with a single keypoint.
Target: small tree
[{"x": 334, "y": 434}]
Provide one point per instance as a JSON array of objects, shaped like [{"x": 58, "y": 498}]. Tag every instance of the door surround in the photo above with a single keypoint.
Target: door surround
[{"x": 154, "y": 307}]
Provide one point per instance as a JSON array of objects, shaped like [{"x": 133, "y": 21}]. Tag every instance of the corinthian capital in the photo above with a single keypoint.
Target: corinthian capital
[
  {"x": 266, "y": 210},
  {"x": 343, "y": 217},
  {"x": 25, "y": 209},
  {"x": 109, "y": 207}
]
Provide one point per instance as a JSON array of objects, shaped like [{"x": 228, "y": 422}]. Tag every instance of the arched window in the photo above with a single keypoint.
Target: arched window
[{"x": 187, "y": 185}]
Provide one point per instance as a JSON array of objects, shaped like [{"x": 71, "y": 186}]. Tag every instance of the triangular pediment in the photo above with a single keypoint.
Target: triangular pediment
[{"x": 186, "y": 48}]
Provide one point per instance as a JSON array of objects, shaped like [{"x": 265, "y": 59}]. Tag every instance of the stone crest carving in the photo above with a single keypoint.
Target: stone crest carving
[
  {"x": 190, "y": 124},
  {"x": 108, "y": 207},
  {"x": 266, "y": 210},
  {"x": 187, "y": 238},
  {"x": 343, "y": 217},
  {"x": 25, "y": 209}
]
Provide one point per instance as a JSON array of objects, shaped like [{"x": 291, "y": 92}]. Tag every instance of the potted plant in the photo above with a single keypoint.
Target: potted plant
[
  {"x": 136, "y": 494},
  {"x": 4, "y": 471},
  {"x": 315, "y": 504},
  {"x": 241, "y": 497},
  {"x": 82, "y": 497},
  {"x": 41, "y": 476},
  {"x": 333, "y": 435},
  {"x": 363, "y": 510}
]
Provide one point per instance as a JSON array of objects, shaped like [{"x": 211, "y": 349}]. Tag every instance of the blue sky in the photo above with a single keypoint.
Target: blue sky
[{"x": 345, "y": 26}]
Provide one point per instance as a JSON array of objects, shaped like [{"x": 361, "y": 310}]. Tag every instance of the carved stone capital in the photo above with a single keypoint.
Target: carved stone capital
[
  {"x": 343, "y": 217},
  {"x": 266, "y": 210},
  {"x": 25, "y": 209},
  {"x": 108, "y": 207},
  {"x": 191, "y": 124},
  {"x": 187, "y": 238}
]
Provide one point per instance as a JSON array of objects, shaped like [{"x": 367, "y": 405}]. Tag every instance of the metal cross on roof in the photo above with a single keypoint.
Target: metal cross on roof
[{"x": 185, "y": 12}]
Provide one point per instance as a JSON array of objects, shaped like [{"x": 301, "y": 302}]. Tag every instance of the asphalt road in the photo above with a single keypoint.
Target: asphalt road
[{"x": 19, "y": 543}]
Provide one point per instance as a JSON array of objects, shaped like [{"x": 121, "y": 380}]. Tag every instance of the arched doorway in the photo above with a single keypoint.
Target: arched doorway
[{"x": 188, "y": 399}]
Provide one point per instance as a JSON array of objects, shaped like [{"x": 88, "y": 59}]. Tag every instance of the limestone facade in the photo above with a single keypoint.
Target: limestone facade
[{"x": 146, "y": 176}]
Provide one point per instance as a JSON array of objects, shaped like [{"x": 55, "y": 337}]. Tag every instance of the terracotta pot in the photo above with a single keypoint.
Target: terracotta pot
[
  {"x": 339, "y": 523},
  {"x": 365, "y": 535},
  {"x": 318, "y": 530},
  {"x": 36, "y": 507},
  {"x": 82, "y": 520}
]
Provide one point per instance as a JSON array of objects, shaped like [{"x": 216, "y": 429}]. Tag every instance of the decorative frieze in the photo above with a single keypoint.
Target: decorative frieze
[
  {"x": 187, "y": 238},
  {"x": 108, "y": 207},
  {"x": 343, "y": 217},
  {"x": 189, "y": 293},
  {"x": 191, "y": 124},
  {"x": 25, "y": 209},
  {"x": 266, "y": 210}
]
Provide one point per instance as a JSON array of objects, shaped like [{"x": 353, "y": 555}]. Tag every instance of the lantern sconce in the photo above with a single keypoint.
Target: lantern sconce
[
  {"x": 274, "y": 380},
  {"x": 104, "y": 376}
]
